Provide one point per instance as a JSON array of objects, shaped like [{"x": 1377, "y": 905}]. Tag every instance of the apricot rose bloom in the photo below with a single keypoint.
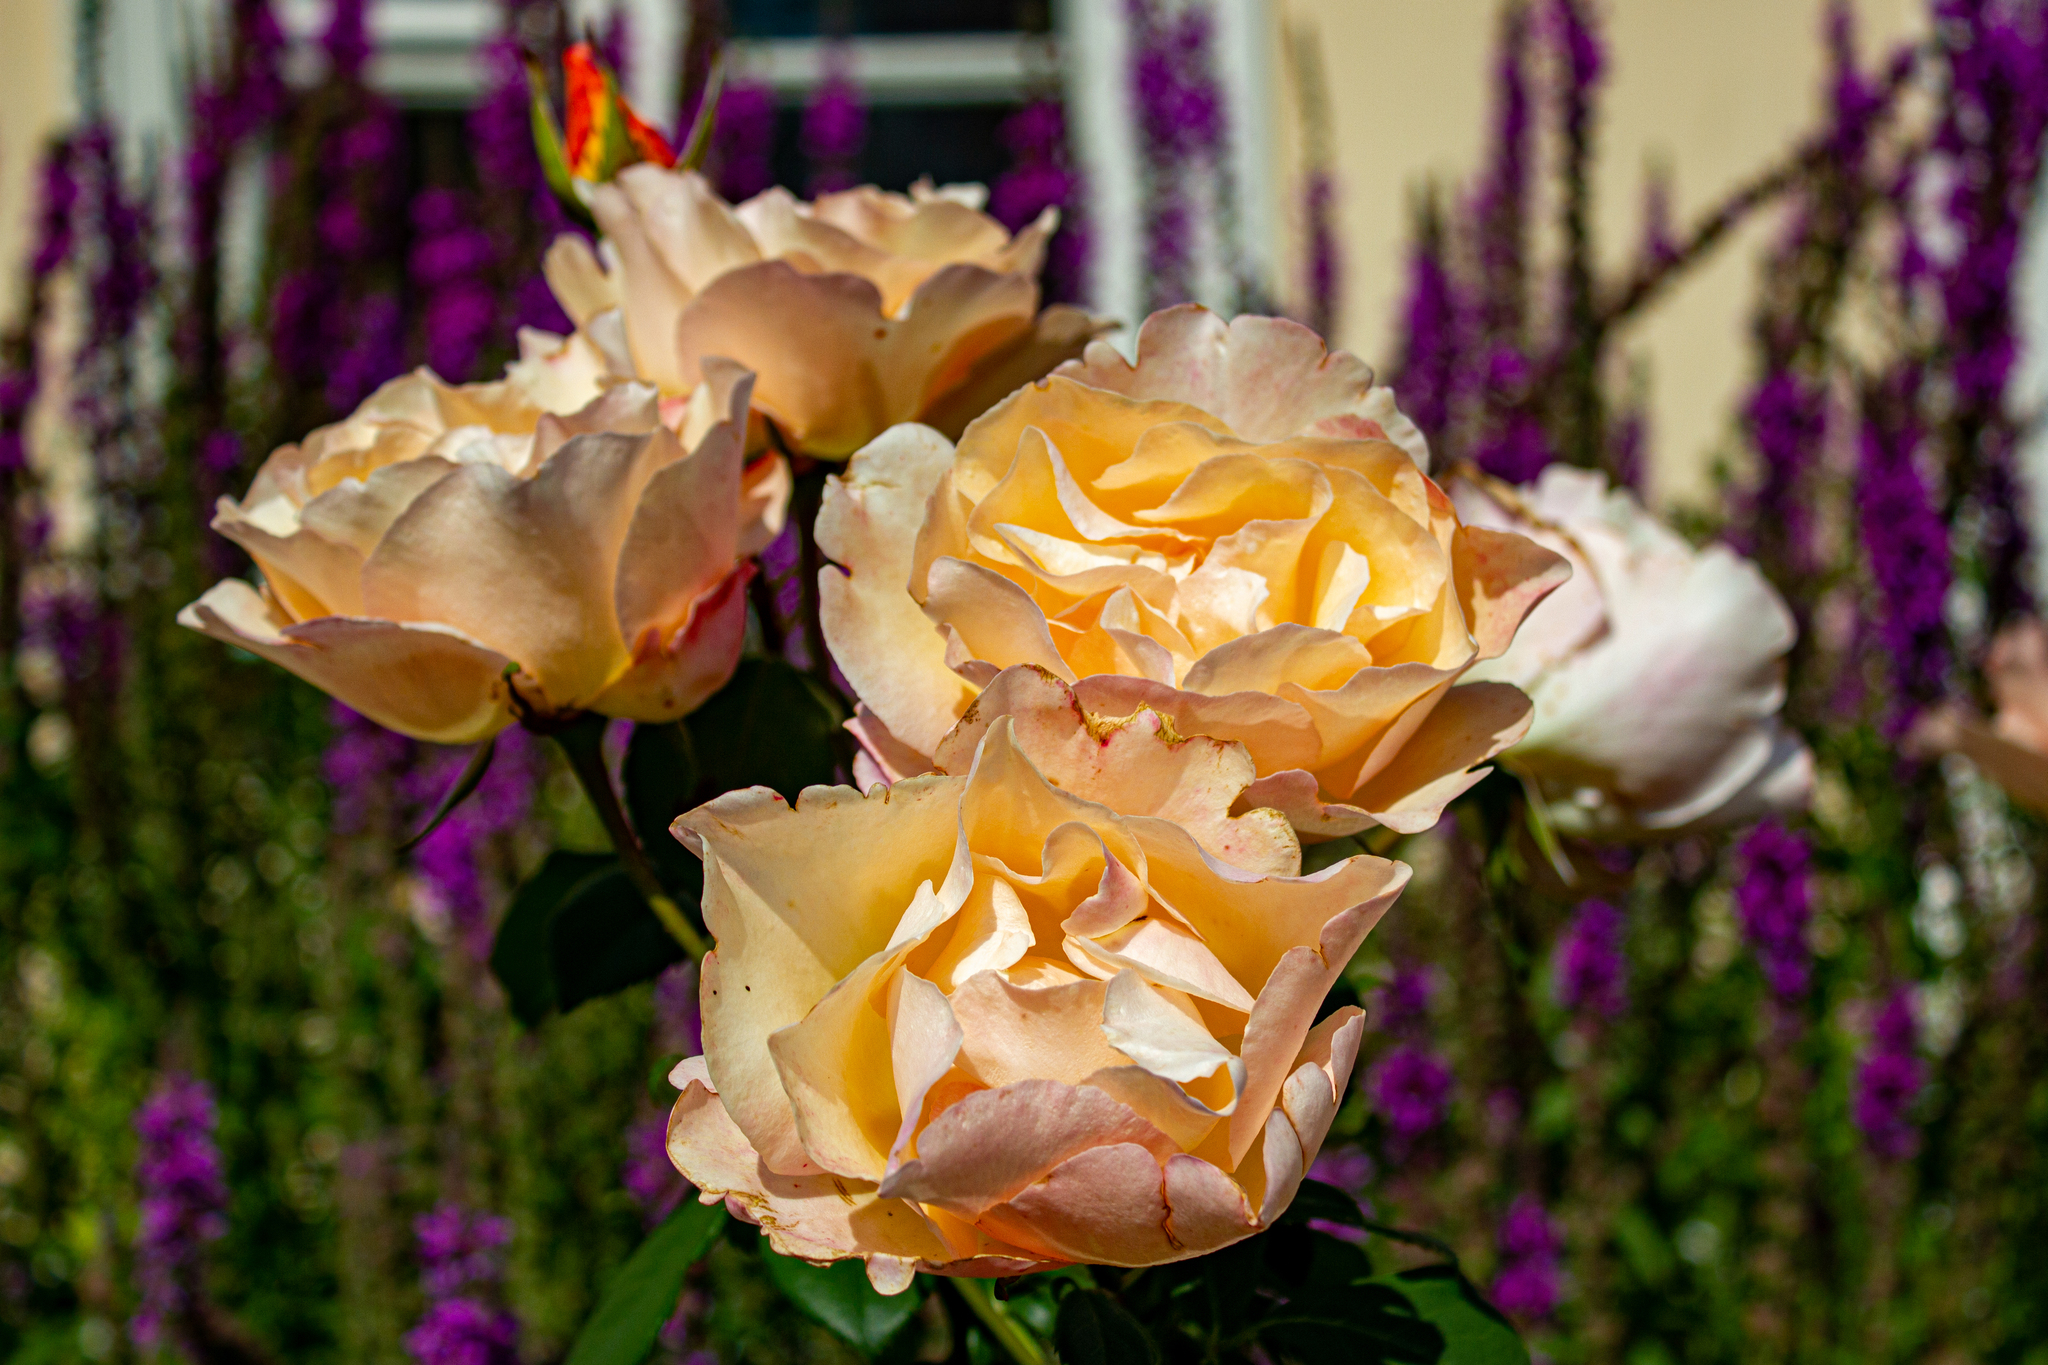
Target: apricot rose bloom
[
  {"x": 855, "y": 312},
  {"x": 1658, "y": 671},
  {"x": 995, "y": 1022},
  {"x": 1222, "y": 532},
  {"x": 449, "y": 557}
]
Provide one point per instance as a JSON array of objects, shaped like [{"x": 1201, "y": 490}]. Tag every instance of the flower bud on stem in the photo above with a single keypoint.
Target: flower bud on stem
[{"x": 582, "y": 741}]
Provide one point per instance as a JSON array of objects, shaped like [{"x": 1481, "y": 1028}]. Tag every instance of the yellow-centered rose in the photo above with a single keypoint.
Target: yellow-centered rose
[
  {"x": 1021, "y": 1016},
  {"x": 1223, "y": 532},
  {"x": 450, "y": 557},
  {"x": 856, "y": 312}
]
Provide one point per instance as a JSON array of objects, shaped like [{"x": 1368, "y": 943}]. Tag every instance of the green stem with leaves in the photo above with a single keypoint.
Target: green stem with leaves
[
  {"x": 1014, "y": 1337},
  {"x": 582, "y": 742}
]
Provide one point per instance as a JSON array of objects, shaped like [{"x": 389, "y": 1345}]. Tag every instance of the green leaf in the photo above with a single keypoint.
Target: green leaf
[
  {"x": 1474, "y": 1331},
  {"x": 660, "y": 774},
  {"x": 1093, "y": 1329},
  {"x": 839, "y": 1296},
  {"x": 1363, "y": 1323},
  {"x": 1317, "y": 1199},
  {"x": 575, "y": 931},
  {"x": 522, "y": 958},
  {"x": 467, "y": 781},
  {"x": 641, "y": 1296},
  {"x": 606, "y": 938},
  {"x": 771, "y": 726}
]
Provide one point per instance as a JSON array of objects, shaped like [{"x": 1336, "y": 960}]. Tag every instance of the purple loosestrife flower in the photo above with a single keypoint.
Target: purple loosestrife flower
[
  {"x": 1404, "y": 1002},
  {"x": 184, "y": 1197},
  {"x": 1787, "y": 420},
  {"x": 1042, "y": 176},
  {"x": 648, "y": 1175},
  {"x": 1775, "y": 901},
  {"x": 1179, "y": 110},
  {"x": 1907, "y": 543},
  {"x": 678, "y": 1026},
  {"x": 1429, "y": 332},
  {"x": 1591, "y": 971},
  {"x": 743, "y": 141},
  {"x": 462, "y": 1331},
  {"x": 1526, "y": 1285},
  {"x": 523, "y": 213},
  {"x": 1500, "y": 209},
  {"x": 347, "y": 40},
  {"x": 1889, "y": 1081},
  {"x": 1325, "y": 261},
  {"x": 450, "y": 266},
  {"x": 835, "y": 128},
  {"x": 1411, "y": 1087},
  {"x": 361, "y": 761},
  {"x": 52, "y": 238},
  {"x": 1350, "y": 1170},
  {"x": 459, "y": 1250}
]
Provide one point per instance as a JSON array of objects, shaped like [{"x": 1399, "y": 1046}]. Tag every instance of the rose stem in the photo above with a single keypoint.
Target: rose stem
[
  {"x": 582, "y": 740},
  {"x": 1012, "y": 1334}
]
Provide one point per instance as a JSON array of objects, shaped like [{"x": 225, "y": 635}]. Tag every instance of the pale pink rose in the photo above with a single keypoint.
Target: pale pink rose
[
  {"x": 1222, "y": 532},
  {"x": 449, "y": 558},
  {"x": 860, "y": 310},
  {"x": 1018, "y": 1017},
  {"x": 1658, "y": 671},
  {"x": 2013, "y": 749}
]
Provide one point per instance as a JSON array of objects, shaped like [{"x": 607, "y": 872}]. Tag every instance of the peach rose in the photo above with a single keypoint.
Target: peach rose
[
  {"x": 449, "y": 557},
  {"x": 1002, "y": 1021},
  {"x": 1658, "y": 671},
  {"x": 855, "y": 312},
  {"x": 2012, "y": 750},
  {"x": 1222, "y": 532}
]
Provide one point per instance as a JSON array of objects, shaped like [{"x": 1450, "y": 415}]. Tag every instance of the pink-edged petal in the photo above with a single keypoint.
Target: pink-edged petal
[
  {"x": 525, "y": 565},
  {"x": 1276, "y": 732},
  {"x": 1016, "y": 1033},
  {"x": 790, "y": 925},
  {"x": 1472, "y": 723},
  {"x": 1130, "y": 764},
  {"x": 672, "y": 675},
  {"x": 879, "y": 636},
  {"x": 819, "y": 1217},
  {"x": 427, "y": 681},
  {"x": 990, "y": 1146},
  {"x": 1322, "y": 1070},
  {"x": 1501, "y": 576},
  {"x": 683, "y": 536},
  {"x": 993, "y": 619},
  {"x": 1103, "y": 1206},
  {"x": 1206, "y": 1209},
  {"x": 1268, "y": 378}
]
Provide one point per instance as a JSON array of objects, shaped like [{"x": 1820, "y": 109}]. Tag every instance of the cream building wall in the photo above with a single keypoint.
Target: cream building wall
[
  {"x": 37, "y": 63},
  {"x": 1715, "y": 90}
]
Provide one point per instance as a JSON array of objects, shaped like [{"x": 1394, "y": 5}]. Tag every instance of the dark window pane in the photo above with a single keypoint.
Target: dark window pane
[
  {"x": 949, "y": 143},
  {"x": 804, "y": 18}
]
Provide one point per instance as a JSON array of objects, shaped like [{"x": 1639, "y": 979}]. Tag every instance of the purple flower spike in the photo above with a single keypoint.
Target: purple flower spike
[
  {"x": 184, "y": 1197},
  {"x": 1411, "y": 1087},
  {"x": 463, "y": 1331},
  {"x": 1775, "y": 901},
  {"x": 1591, "y": 969},
  {"x": 1890, "y": 1080},
  {"x": 1526, "y": 1285}
]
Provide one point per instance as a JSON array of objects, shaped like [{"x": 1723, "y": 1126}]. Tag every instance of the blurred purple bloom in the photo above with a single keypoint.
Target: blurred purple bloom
[
  {"x": 1178, "y": 106},
  {"x": 1404, "y": 1002},
  {"x": 451, "y": 260},
  {"x": 509, "y": 175},
  {"x": 462, "y": 1331},
  {"x": 677, "y": 1026},
  {"x": 1907, "y": 543},
  {"x": 1325, "y": 263},
  {"x": 648, "y": 1175},
  {"x": 183, "y": 1195},
  {"x": 1526, "y": 1285},
  {"x": 835, "y": 128},
  {"x": 454, "y": 860},
  {"x": 1591, "y": 971},
  {"x": 1042, "y": 176},
  {"x": 347, "y": 39},
  {"x": 744, "y": 140},
  {"x": 1411, "y": 1087},
  {"x": 1429, "y": 334},
  {"x": 1775, "y": 900},
  {"x": 459, "y": 1249},
  {"x": 1890, "y": 1080}
]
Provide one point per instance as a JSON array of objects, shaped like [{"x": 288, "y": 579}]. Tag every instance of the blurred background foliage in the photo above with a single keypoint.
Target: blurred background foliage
[{"x": 1737, "y": 1095}]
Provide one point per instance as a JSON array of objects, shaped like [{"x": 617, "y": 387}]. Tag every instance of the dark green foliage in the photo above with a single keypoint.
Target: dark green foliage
[
  {"x": 771, "y": 726},
  {"x": 576, "y": 930},
  {"x": 641, "y": 1295},
  {"x": 838, "y": 1296},
  {"x": 1093, "y": 1329}
]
